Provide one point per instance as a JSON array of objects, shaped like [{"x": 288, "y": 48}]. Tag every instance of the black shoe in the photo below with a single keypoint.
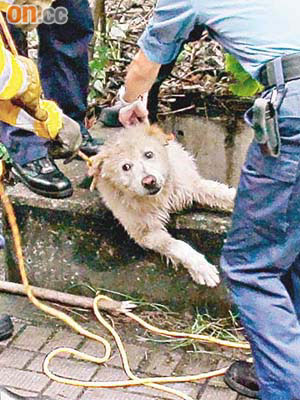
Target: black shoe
[
  {"x": 6, "y": 394},
  {"x": 241, "y": 378},
  {"x": 6, "y": 328},
  {"x": 43, "y": 177},
  {"x": 90, "y": 146}
]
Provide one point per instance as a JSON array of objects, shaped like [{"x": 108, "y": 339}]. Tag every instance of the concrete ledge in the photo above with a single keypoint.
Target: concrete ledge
[{"x": 77, "y": 241}]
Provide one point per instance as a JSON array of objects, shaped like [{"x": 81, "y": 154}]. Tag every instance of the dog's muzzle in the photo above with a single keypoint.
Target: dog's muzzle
[{"x": 149, "y": 182}]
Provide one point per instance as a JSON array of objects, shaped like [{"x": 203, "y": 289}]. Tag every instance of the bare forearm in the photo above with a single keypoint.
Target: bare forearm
[{"x": 140, "y": 77}]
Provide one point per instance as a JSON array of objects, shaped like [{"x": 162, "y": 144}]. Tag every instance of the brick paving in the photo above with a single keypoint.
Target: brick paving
[{"x": 21, "y": 359}]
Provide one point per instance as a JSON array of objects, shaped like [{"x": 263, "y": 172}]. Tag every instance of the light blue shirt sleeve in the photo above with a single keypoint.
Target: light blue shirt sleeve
[
  {"x": 254, "y": 31},
  {"x": 169, "y": 27}
]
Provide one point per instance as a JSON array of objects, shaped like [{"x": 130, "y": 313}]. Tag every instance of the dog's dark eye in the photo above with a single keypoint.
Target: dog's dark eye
[
  {"x": 126, "y": 167},
  {"x": 149, "y": 154}
]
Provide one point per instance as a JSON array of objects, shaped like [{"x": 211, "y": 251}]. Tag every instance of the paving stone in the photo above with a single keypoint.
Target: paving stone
[
  {"x": 162, "y": 363},
  {"x": 116, "y": 374},
  {"x": 33, "y": 338},
  {"x": 63, "y": 338},
  {"x": 196, "y": 363},
  {"x": 73, "y": 369},
  {"x": 135, "y": 355},
  {"x": 110, "y": 374},
  {"x": 21, "y": 392},
  {"x": 22, "y": 379},
  {"x": 17, "y": 328},
  {"x": 93, "y": 348},
  {"x": 15, "y": 358},
  {"x": 112, "y": 394},
  {"x": 218, "y": 380},
  {"x": 61, "y": 391},
  {"x": 36, "y": 364},
  {"x": 21, "y": 361},
  {"x": 212, "y": 393},
  {"x": 190, "y": 389},
  {"x": 65, "y": 367}
]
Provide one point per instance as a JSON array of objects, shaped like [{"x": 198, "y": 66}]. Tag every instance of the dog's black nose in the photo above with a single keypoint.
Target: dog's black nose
[{"x": 149, "y": 182}]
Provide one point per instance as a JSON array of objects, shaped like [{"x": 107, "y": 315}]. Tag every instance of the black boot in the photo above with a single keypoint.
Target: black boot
[
  {"x": 241, "y": 378},
  {"x": 7, "y": 395},
  {"x": 43, "y": 177},
  {"x": 6, "y": 328}
]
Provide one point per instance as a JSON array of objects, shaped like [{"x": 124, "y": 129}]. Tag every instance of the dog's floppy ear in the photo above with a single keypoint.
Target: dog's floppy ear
[
  {"x": 95, "y": 167},
  {"x": 156, "y": 131}
]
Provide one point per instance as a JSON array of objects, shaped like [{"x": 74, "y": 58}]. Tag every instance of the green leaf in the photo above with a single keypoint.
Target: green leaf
[
  {"x": 249, "y": 87},
  {"x": 4, "y": 154},
  {"x": 101, "y": 58},
  {"x": 245, "y": 85},
  {"x": 96, "y": 65}
]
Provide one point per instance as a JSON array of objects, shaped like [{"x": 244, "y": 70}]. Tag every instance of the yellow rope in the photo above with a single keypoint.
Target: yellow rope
[{"x": 7, "y": 36}]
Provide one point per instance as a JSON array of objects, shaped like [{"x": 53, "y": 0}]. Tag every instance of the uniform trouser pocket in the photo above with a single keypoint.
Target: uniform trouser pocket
[{"x": 264, "y": 192}]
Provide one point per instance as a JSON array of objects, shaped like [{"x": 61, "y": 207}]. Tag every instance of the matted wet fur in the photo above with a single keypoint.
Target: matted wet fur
[{"x": 142, "y": 177}]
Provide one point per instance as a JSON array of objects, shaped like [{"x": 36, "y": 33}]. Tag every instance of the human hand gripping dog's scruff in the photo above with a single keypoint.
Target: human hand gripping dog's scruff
[
  {"x": 132, "y": 113},
  {"x": 132, "y": 97},
  {"x": 137, "y": 176}
]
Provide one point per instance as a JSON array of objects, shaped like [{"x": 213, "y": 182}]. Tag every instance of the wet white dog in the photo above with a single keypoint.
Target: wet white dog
[{"x": 142, "y": 176}]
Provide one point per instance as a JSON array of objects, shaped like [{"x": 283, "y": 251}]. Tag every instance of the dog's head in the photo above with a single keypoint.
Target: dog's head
[{"x": 135, "y": 161}]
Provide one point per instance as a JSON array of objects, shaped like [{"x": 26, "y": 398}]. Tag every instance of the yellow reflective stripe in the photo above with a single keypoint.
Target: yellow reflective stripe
[
  {"x": 9, "y": 112},
  {"x": 27, "y": 122},
  {"x": 16, "y": 116},
  {"x": 15, "y": 81}
]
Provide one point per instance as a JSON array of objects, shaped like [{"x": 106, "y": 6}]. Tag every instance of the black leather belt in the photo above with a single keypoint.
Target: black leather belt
[{"x": 290, "y": 66}]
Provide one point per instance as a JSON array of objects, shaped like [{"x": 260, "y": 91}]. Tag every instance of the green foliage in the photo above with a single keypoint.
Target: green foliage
[
  {"x": 4, "y": 154},
  {"x": 245, "y": 85},
  {"x": 97, "y": 70},
  {"x": 101, "y": 59},
  {"x": 107, "y": 49}
]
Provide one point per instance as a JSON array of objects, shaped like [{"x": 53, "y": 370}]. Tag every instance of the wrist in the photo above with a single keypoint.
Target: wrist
[
  {"x": 125, "y": 101},
  {"x": 122, "y": 98}
]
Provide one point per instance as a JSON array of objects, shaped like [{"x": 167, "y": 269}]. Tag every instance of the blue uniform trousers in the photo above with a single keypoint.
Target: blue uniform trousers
[
  {"x": 63, "y": 66},
  {"x": 260, "y": 258}
]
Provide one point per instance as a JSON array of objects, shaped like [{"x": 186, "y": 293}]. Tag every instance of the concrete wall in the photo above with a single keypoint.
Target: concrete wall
[{"x": 218, "y": 144}]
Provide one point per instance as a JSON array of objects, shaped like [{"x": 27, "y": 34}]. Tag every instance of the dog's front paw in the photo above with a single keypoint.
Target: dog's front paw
[
  {"x": 228, "y": 200},
  {"x": 203, "y": 272}
]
